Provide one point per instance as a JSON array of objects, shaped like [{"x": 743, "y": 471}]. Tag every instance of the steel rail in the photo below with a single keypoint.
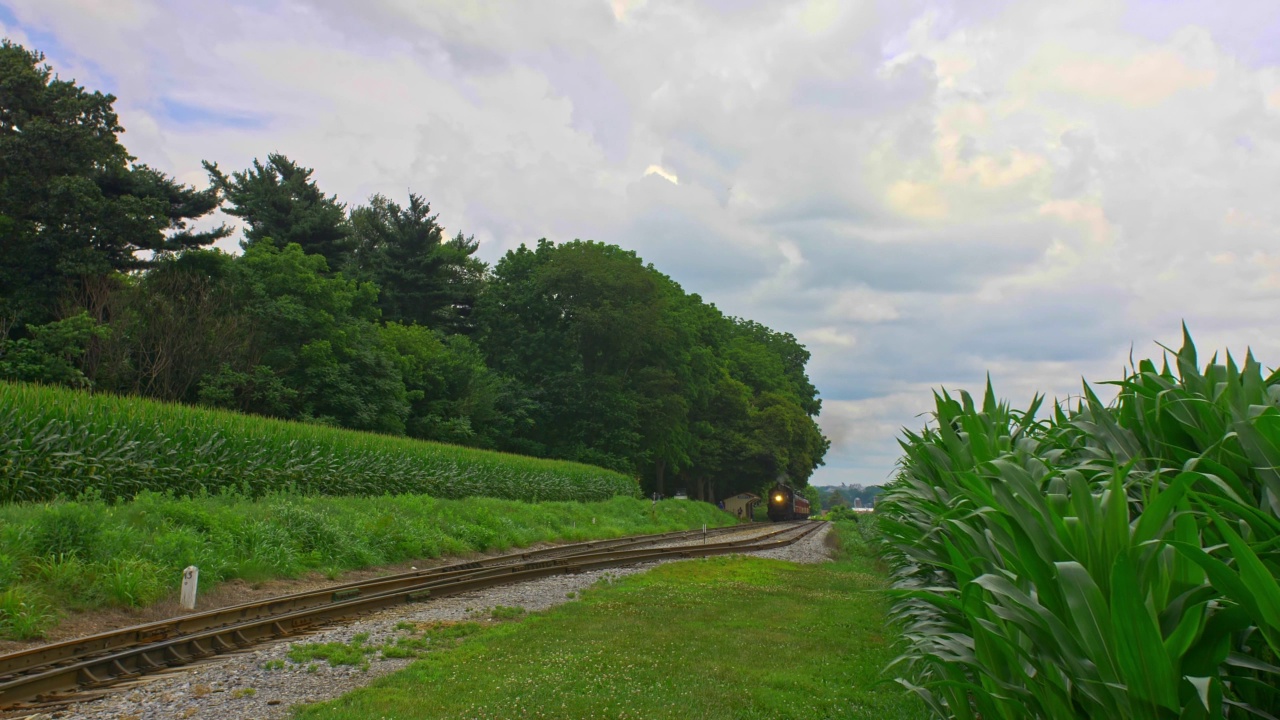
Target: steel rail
[
  {"x": 27, "y": 661},
  {"x": 97, "y": 668}
]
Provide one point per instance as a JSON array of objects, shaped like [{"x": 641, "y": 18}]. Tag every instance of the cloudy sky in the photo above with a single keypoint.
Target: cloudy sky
[{"x": 922, "y": 192}]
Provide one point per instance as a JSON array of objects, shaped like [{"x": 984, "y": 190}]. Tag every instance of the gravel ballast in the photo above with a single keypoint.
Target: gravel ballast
[{"x": 262, "y": 684}]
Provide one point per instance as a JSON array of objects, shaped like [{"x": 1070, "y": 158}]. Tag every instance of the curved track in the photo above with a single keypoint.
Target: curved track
[{"x": 52, "y": 673}]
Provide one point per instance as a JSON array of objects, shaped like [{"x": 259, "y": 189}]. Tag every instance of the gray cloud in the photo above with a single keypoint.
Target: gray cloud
[{"x": 922, "y": 191}]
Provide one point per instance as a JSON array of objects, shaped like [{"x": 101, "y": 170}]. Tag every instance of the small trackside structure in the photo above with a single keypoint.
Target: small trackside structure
[{"x": 741, "y": 506}]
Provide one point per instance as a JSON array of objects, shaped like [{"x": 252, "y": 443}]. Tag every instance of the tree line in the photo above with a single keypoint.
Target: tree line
[
  {"x": 849, "y": 495},
  {"x": 369, "y": 317}
]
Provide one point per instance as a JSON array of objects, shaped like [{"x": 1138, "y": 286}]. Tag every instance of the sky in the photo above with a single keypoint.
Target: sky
[{"x": 924, "y": 193}]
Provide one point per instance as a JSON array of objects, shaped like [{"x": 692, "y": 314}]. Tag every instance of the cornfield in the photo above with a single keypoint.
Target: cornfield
[
  {"x": 1116, "y": 560},
  {"x": 56, "y": 442}
]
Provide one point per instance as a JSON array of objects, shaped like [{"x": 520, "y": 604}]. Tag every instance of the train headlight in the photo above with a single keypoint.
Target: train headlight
[{"x": 777, "y": 498}]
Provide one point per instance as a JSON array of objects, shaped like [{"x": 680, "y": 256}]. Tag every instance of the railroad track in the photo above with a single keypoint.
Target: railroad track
[{"x": 56, "y": 673}]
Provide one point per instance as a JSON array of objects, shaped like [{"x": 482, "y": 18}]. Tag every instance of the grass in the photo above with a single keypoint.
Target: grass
[
  {"x": 56, "y": 442},
  {"x": 357, "y": 652},
  {"x": 90, "y": 553},
  {"x": 1112, "y": 561},
  {"x": 726, "y": 637}
]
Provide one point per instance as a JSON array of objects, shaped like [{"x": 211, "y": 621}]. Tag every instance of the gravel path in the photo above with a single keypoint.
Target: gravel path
[{"x": 262, "y": 684}]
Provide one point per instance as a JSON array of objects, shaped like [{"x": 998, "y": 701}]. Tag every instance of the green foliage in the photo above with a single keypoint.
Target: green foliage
[
  {"x": 842, "y": 512},
  {"x": 503, "y": 612},
  {"x": 433, "y": 636},
  {"x": 453, "y": 396},
  {"x": 23, "y": 614},
  {"x": 622, "y": 368},
  {"x": 425, "y": 279},
  {"x": 172, "y": 326},
  {"x": 58, "y": 442},
  {"x": 73, "y": 204},
  {"x": 811, "y": 494},
  {"x": 1112, "y": 561},
  {"x": 316, "y": 333},
  {"x": 52, "y": 353},
  {"x": 356, "y": 652},
  {"x": 88, "y": 553},
  {"x": 280, "y": 201}
]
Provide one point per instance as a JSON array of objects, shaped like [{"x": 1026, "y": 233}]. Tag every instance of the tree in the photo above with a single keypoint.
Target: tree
[
  {"x": 424, "y": 278},
  {"x": 627, "y": 370},
  {"x": 318, "y": 334},
  {"x": 581, "y": 325},
  {"x": 279, "y": 200},
  {"x": 73, "y": 204},
  {"x": 453, "y": 397},
  {"x": 175, "y": 324},
  {"x": 53, "y": 353},
  {"x": 814, "y": 497},
  {"x": 771, "y": 361}
]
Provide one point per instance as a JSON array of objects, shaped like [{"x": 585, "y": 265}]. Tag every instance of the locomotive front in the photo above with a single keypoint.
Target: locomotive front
[{"x": 786, "y": 504}]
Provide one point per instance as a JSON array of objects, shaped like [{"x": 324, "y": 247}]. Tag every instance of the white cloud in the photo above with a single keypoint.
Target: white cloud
[{"x": 921, "y": 191}]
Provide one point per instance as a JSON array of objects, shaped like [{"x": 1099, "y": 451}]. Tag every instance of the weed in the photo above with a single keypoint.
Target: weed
[
  {"x": 502, "y": 612},
  {"x": 66, "y": 576},
  {"x": 141, "y": 547},
  {"x": 356, "y": 652},
  {"x": 68, "y": 529},
  {"x": 244, "y": 693},
  {"x": 434, "y": 636},
  {"x": 9, "y": 571},
  {"x": 129, "y": 582},
  {"x": 23, "y": 614},
  {"x": 273, "y": 665}
]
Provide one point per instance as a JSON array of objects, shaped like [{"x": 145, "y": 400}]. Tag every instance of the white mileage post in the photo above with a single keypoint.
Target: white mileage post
[{"x": 190, "y": 577}]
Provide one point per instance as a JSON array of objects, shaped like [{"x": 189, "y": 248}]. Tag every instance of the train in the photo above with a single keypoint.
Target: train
[{"x": 787, "y": 504}]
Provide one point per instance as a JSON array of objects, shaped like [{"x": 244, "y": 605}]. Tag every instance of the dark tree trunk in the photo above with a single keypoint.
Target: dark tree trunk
[{"x": 661, "y": 468}]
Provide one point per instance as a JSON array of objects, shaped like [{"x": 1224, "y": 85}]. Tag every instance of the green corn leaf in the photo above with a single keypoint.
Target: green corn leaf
[
  {"x": 1140, "y": 652},
  {"x": 1089, "y": 616},
  {"x": 1184, "y": 635},
  {"x": 1258, "y": 580},
  {"x": 1156, "y": 513},
  {"x": 1233, "y": 586}
]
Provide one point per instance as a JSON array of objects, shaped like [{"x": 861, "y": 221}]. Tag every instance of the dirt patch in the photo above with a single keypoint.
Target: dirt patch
[{"x": 76, "y": 624}]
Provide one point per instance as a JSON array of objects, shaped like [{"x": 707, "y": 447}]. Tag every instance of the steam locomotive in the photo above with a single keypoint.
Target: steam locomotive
[{"x": 787, "y": 504}]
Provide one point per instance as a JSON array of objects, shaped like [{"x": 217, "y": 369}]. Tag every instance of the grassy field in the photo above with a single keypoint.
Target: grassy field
[
  {"x": 91, "y": 554},
  {"x": 58, "y": 442},
  {"x": 1112, "y": 561},
  {"x": 726, "y": 637}
]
